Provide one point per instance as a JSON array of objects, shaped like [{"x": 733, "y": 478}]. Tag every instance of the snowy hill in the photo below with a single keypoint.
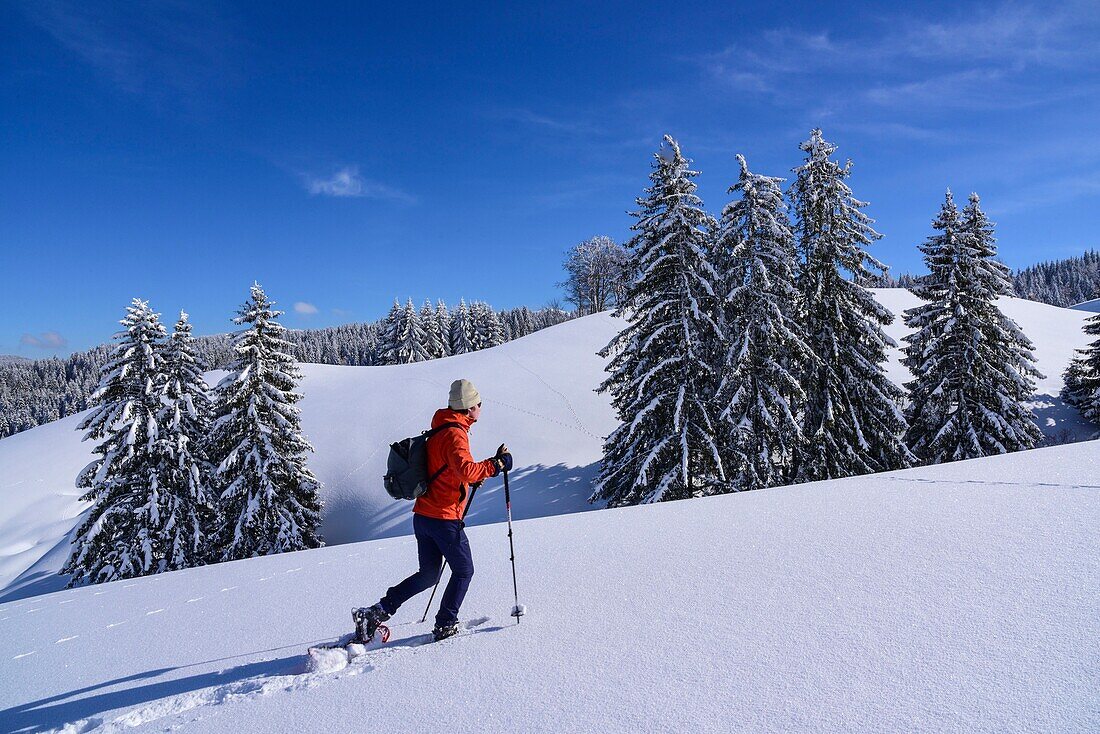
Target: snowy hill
[
  {"x": 960, "y": 597},
  {"x": 539, "y": 397},
  {"x": 1092, "y": 306}
]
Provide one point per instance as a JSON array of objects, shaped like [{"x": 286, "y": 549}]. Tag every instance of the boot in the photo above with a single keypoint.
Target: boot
[
  {"x": 443, "y": 631},
  {"x": 367, "y": 620}
]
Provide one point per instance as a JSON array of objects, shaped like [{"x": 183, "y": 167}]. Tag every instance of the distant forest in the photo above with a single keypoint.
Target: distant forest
[
  {"x": 33, "y": 392},
  {"x": 1057, "y": 282}
]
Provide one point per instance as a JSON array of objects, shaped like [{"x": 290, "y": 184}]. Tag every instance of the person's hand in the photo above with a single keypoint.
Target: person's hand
[{"x": 503, "y": 459}]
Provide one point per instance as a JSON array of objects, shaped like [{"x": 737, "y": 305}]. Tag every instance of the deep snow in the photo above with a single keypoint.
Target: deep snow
[
  {"x": 960, "y": 597},
  {"x": 539, "y": 397}
]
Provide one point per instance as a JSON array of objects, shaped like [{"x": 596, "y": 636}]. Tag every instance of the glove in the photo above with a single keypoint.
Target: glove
[{"x": 503, "y": 459}]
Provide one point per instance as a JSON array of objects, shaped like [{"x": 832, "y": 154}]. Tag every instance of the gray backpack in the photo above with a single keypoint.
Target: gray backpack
[{"x": 407, "y": 467}]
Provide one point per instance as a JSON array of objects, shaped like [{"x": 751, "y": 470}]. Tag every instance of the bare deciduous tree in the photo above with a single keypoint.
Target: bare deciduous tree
[{"x": 598, "y": 272}]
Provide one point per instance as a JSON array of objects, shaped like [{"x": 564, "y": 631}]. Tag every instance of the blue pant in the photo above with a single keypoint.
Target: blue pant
[{"x": 436, "y": 540}]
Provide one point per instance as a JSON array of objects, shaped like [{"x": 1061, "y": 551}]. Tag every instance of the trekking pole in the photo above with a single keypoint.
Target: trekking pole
[
  {"x": 473, "y": 491},
  {"x": 518, "y": 610}
]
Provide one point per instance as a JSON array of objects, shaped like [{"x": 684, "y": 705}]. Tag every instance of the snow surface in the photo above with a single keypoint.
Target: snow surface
[
  {"x": 539, "y": 398},
  {"x": 961, "y": 597},
  {"x": 1092, "y": 306}
]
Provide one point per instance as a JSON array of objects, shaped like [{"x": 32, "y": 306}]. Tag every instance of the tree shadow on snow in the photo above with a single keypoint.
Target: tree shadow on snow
[
  {"x": 42, "y": 576},
  {"x": 537, "y": 491},
  {"x": 34, "y": 584},
  {"x": 1059, "y": 421},
  {"x": 54, "y": 712}
]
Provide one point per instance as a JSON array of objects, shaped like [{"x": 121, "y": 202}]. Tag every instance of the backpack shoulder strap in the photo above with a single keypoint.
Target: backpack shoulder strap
[
  {"x": 429, "y": 434},
  {"x": 437, "y": 429}
]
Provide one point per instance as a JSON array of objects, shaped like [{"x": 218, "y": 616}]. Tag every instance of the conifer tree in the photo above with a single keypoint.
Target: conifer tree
[
  {"x": 660, "y": 381},
  {"x": 433, "y": 337},
  {"x": 972, "y": 365},
  {"x": 390, "y": 328},
  {"x": 269, "y": 500},
  {"x": 462, "y": 330},
  {"x": 853, "y": 423},
  {"x": 525, "y": 321},
  {"x": 1082, "y": 377},
  {"x": 487, "y": 330},
  {"x": 124, "y": 534},
  {"x": 183, "y": 474},
  {"x": 443, "y": 324},
  {"x": 405, "y": 338},
  {"x": 759, "y": 397}
]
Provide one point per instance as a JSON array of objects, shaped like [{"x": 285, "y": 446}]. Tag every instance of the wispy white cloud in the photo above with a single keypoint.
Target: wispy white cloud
[
  {"x": 974, "y": 60},
  {"x": 45, "y": 340},
  {"x": 972, "y": 87},
  {"x": 893, "y": 131},
  {"x": 305, "y": 308},
  {"x": 346, "y": 182},
  {"x": 560, "y": 124},
  {"x": 162, "y": 47},
  {"x": 1050, "y": 191}
]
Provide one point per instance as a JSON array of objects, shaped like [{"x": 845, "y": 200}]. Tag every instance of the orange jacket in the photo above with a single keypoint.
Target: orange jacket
[{"x": 447, "y": 496}]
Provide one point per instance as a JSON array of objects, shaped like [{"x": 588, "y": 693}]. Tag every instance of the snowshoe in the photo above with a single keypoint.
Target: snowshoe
[
  {"x": 367, "y": 621},
  {"x": 443, "y": 631}
]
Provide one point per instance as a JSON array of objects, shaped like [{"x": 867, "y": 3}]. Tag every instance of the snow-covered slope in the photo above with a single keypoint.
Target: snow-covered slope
[
  {"x": 960, "y": 597},
  {"x": 538, "y": 394},
  {"x": 1092, "y": 306},
  {"x": 539, "y": 397}
]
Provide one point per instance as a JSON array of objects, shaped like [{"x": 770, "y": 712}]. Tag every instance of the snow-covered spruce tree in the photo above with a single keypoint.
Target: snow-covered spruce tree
[
  {"x": 462, "y": 330},
  {"x": 972, "y": 365},
  {"x": 269, "y": 501},
  {"x": 433, "y": 337},
  {"x": 487, "y": 329},
  {"x": 1013, "y": 350},
  {"x": 182, "y": 474},
  {"x": 660, "y": 382},
  {"x": 525, "y": 322},
  {"x": 389, "y": 328},
  {"x": 759, "y": 399},
  {"x": 443, "y": 324},
  {"x": 853, "y": 422},
  {"x": 1082, "y": 377},
  {"x": 405, "y": 337},
  {"x": 124, "y": 534}
]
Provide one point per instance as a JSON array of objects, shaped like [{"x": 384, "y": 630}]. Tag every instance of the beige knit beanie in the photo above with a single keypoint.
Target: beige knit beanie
[{"x": 463, "y": 395}]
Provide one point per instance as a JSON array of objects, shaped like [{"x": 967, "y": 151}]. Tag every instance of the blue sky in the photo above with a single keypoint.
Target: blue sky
[{"x": 346, "y": 154}]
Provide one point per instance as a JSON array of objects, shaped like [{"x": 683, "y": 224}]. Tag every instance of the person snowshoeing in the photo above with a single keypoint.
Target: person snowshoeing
[{"x": 437, "y": 517}]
